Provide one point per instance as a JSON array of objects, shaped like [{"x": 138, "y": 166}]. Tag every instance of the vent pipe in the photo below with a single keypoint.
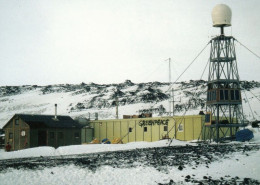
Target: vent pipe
[
  {"x": 55, "y": 117},
  {"x": 116, "y": 107},
  {"x": 96, "y": 116}
]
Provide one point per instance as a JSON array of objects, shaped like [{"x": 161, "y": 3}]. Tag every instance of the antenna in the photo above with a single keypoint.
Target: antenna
[
  {"x": 221, "y": 17},
  {"x": 169, "y": 60},
  {"x": 171, "y": 99}
]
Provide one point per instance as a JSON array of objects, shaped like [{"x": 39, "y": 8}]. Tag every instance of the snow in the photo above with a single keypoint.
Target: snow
[
  {"x": 244, "y": 167},
  {"x": 31, "y": 152},
  {"x": 34, "y": 101},
  {"x": 84, "y": 149},
  {"x": 236, "y": 165},
  {"x": 73, "y": 175},
  {"x": 107, "y": 175}
]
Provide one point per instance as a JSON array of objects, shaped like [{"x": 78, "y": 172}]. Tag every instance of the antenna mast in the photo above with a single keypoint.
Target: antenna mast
[{"x": 171, "y": 92}]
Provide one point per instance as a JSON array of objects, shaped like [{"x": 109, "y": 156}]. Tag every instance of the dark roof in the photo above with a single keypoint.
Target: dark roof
[{"x": 49, "y": 121}]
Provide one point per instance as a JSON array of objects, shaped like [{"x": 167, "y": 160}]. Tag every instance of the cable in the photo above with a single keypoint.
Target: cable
[
  {"x": 248, "y": 100},
  {"x": 188, "y": 66},
  {"x": 186, "y": 70},
  {"x": 187, "y": 108},
  {"x": 248, "y": 49},
  {"x": 204, "y": 70},
  {"x": 254, "y": 95},
  {"x": 157, "y": 67},
  {"x": 249, "y": 105}
]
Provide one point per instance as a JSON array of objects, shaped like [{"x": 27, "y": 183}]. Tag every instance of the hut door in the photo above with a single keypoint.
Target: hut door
[{"x": 42, "y": 138}]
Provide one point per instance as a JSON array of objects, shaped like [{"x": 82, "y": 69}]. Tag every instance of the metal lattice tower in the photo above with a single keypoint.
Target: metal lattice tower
[{"x": 224, "y": 104}]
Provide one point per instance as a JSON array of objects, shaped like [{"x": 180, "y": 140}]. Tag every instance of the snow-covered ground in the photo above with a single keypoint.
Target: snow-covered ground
[
  {"x": 84, "y": 149},
  {"x": 239, "y": 165},
  {"x": 41, "y": 100}
]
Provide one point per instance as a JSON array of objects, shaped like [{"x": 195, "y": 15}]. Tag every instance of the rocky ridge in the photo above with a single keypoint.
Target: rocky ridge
[{"x": 78, "y": 100}]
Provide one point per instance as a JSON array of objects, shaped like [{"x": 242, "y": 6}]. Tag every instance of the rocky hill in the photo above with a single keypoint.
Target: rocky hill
[{"x": 84, "y": 100}]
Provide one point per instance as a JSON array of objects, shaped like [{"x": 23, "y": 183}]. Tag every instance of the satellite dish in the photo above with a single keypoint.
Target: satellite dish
[{"x": 221, "y": 16}]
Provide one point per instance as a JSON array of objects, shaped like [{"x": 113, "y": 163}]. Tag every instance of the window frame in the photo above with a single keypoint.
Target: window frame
[
  {"x": 181, "y": 127},
  {"x": 10, "y": 134},
  {"x": 165, "y": 128}
]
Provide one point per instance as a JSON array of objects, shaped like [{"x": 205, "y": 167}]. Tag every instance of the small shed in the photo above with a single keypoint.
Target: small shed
[{"x": 27, "y": 131}]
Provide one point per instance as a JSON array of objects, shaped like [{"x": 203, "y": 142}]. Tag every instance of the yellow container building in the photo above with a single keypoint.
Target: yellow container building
[{"x": 150, "y": 129}]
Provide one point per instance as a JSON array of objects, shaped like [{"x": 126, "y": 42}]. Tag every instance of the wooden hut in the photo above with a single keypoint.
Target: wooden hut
[{"x": 27, "y": 131}]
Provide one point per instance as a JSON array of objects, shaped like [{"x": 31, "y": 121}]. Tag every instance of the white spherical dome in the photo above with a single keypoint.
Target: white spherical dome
[{"x": 221, "y": 16}]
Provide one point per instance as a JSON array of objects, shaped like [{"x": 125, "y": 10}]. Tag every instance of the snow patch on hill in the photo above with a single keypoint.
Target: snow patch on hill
[{"x": 84, "y": 100}]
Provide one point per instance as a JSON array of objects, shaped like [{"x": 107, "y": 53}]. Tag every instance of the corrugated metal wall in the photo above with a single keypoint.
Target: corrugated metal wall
[{"x": 149, "y": 129}]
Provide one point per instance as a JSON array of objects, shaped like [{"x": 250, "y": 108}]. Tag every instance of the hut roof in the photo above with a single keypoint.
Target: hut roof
[{"x": 48, "y": 121}]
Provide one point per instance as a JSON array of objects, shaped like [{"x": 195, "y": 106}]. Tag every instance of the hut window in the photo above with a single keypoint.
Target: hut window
[
  {"x": 10, "y": 135},
  {"x": 145, "y": 129},
  {"x": 51, "y": 135},
  {"x": 23, "y": 133},
  {"x": 17, "y": 122},
  {"x": 130, "y": 129},
  {"x": 180, "y": 127},
  {"x": 165, "y": 128},
  {"x": 76, "y": 134},
  {"x": 60, "y": 135}
]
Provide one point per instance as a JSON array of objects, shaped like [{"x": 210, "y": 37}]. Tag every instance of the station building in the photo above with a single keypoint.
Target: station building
[
  {"x": 185, "y": 128},
  {"x": 27, "y": 130}
]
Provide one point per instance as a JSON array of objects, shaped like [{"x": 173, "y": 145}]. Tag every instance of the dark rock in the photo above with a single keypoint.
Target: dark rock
[{"x": 180, "y": 168}]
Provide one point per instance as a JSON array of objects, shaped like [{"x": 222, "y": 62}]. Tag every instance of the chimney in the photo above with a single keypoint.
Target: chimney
[{"x": 55, "y": 117}]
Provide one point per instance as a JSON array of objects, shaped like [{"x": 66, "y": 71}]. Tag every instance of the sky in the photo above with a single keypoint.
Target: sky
[{"x": 45, "y": 42}]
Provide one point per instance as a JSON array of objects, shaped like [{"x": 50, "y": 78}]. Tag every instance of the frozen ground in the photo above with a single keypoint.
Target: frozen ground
[{"x": 135, "y": 163}]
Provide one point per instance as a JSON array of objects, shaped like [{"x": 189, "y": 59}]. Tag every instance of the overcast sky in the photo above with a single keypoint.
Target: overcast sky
[{"x": 109, "y": 41}]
